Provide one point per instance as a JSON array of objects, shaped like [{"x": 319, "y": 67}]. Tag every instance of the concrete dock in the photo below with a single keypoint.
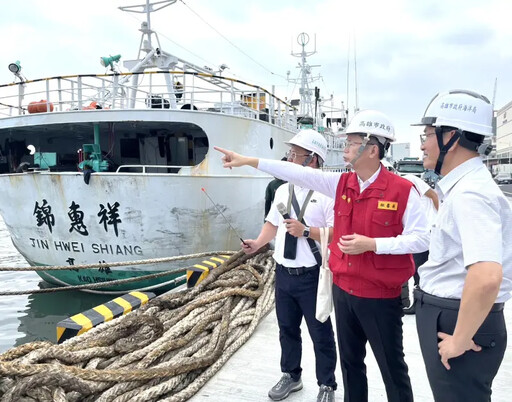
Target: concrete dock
[{"x": 254, "y": 369}]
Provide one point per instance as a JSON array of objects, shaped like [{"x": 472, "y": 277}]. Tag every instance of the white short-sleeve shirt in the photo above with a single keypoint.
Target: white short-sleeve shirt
[
  {"x": 319, "y": 213},
  {"x": 473, "y": 224}
]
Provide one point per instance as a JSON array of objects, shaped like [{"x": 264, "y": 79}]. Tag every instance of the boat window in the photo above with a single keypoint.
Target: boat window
[
  {"x": 129, "y": 147},
  {"x": 162, "y": 144}
]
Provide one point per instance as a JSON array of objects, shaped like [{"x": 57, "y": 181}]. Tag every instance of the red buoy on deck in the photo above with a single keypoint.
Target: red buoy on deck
[{"x": 40, "y": 107}]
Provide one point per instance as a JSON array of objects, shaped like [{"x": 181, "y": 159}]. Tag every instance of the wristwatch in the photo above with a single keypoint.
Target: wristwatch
[{"x": 306, "y": 232}]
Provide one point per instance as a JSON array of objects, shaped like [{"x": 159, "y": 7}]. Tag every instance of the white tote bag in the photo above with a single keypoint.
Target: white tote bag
[{"x": 324, "y": 302}]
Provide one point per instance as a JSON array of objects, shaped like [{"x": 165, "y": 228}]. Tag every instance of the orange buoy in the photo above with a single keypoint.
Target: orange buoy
[
  {"x": 40, "y": 107},
  {"x": 92, "y": 106}
]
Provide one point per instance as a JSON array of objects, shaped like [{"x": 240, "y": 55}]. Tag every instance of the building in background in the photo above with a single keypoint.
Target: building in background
[{"x": 500, "y": 162}]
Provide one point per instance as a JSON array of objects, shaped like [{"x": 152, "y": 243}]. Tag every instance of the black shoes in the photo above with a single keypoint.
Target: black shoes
[{"x": 284, "y": 387}]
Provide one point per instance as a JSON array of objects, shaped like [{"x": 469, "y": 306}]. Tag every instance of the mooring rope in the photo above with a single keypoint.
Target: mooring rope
[
  {"x": 102, "y": 284},
  {"x": 91, "y": 286},
  {"x": 164, "y": 351},
  {"x": 115, "y": 264}
]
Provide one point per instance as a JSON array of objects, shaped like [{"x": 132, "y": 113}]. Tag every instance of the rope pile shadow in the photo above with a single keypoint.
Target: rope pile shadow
[{"x": 164, "y": 351}]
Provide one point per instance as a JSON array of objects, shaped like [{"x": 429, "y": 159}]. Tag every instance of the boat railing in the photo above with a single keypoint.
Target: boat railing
[
  {"x": 145, "y": 169},
  {"x": 146, "y": 90}
]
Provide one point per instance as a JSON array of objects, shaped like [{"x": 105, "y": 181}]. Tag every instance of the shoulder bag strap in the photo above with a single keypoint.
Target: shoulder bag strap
[{"x": 300, "y": 214}]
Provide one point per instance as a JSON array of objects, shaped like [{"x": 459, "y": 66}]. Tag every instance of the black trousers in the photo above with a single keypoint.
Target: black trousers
[
  {"x": 296, "y": 298},
  {"x": 471, "y": 374},
  {"x": 379, "y": 322}
]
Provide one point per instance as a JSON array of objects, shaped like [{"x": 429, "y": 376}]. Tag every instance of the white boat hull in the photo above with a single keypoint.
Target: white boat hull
[
  {"x": 151, "y": 160},
  {"x": 154, "y": 216}
]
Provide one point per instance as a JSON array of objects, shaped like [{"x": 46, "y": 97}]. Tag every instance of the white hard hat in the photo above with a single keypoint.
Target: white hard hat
[
  {"x": 312, "y": 141},
  {"x": 465, "y": 110},
  {"x": 372, "y": 122}
]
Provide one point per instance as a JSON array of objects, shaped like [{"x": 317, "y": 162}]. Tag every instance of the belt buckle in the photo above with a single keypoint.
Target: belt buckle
[{"x": 293, "y": 271}]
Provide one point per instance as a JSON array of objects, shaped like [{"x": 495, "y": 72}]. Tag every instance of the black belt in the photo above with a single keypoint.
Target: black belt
[
  {"x": 452, "y": 304},
  {"x": 298, "y": 270}
]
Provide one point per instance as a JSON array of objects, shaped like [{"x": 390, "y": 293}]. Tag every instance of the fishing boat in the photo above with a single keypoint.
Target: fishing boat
[{"x": 109, "y": 167}]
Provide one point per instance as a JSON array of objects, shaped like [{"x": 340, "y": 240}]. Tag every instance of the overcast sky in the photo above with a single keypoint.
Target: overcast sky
[{"x": 407, "y": 50}]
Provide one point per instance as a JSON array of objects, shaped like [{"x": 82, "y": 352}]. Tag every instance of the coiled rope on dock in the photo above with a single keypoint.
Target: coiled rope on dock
[{"x": 165, "y": 351}]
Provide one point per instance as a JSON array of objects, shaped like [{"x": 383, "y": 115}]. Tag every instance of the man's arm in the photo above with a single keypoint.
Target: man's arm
[
  {"x": 314, "y": 179},
  {"x": 479, "y": 294},
  {"x": 433, "y": 196},
  {"x": 296, "y": 228},
  {"x": 268, "y": 232},
  {"x": 482, "y": 252},
  {"x": 415, "y": 236}
]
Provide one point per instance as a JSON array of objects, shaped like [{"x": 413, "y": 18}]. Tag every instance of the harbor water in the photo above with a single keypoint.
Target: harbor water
[{"x": 33, "y": 317}]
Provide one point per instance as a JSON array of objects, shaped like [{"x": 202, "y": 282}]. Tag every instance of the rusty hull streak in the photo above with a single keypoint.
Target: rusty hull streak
[
  {"x": 201, "y": 169},
  {"x": 57, "y": 184}
]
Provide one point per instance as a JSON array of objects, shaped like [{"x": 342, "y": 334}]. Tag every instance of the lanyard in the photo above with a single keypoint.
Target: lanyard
[{"x": 291, "y": 194}]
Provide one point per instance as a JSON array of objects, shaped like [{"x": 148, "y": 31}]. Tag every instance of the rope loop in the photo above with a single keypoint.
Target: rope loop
[{"x": 164, "y": 351}]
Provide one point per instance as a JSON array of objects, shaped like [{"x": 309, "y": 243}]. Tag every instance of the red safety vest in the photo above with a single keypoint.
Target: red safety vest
[{"x": 377, "y": 212}]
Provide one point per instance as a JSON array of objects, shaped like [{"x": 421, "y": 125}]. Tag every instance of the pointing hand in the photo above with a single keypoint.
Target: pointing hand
[{"x": 232, "y": 159}]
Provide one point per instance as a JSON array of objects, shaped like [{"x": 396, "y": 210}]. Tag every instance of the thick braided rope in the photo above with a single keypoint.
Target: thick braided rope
[
  {"x": 116, "y": 264},
  {"x": 166, "y": 350}
]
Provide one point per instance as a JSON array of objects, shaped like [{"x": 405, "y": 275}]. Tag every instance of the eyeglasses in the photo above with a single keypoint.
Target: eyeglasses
[
  {"x": 425, "y": 137},
  {"x": 292, "y": 155},
  {"x": 349, "y": 143}
]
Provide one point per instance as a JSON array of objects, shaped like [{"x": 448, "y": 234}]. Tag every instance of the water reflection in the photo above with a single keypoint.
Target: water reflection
[
  {"x": 38, "y": 320},
  {"x": 34, "y": 317}
]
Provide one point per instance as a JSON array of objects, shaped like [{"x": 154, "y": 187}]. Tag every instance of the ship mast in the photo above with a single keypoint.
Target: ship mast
[
  {"x": 154, "y": 57},
  {"x": 309, "y": 95}
]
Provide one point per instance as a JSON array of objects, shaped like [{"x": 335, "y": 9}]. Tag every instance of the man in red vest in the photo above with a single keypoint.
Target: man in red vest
[{"x": 378, "y": 223}]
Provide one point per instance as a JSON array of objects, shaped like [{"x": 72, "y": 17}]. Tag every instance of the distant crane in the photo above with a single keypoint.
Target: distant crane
[
  {"x": 494, "y": 91},
  {"x": 352, "y": 41}
]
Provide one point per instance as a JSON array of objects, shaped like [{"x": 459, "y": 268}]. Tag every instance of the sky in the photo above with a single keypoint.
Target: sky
[{"x": 407, "y": 51}]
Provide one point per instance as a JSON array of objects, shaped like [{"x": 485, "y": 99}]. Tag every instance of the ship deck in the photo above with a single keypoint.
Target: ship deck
[{"x": 254, "y": 369}]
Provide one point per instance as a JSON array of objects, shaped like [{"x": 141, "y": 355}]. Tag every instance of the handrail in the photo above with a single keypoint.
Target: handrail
[
  {"x": 106, "y": 91},
  {"x": 145, "y": 167},
  {"x": 204, "y": 75}
]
